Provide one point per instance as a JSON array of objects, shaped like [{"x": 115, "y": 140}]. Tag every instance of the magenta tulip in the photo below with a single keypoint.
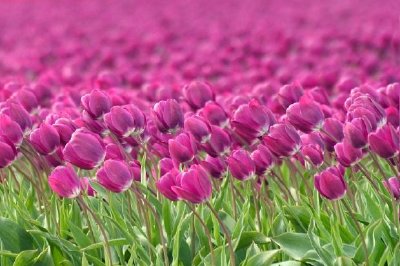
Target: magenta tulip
[
  {"x": 241, "y": 165},
  {"x": 385, "y": 141},
  {"x": 115, "y": 176},
  {"x": 330, "y": 183},
  {"x": 64, "y": 182},
  {"x": 193, "y": 185},
  {"x": 283, "y": 140},
  {"x": 45, "y": 139},
  {"x": 96, "y": 103},
  {"x": 85, "y": 150}
]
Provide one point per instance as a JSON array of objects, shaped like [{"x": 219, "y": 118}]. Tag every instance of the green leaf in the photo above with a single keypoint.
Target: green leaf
[
  {"x": 14, "y": 237},
  {"x": 296, "y": 245},
  {"x": 26, "y": 257},
  {"x": 344, "y": 261},
  {"x": 263, "y": 258},
  {"x": 247, "y": 238},
  {"x": 287, "y": 263}
]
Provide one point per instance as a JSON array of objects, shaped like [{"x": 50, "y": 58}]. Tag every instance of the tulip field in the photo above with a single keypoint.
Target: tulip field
[{"x": 231, "y": 132}]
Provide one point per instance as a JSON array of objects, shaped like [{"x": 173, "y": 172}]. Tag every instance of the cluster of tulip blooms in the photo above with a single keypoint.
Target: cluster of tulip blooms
[
  {"x": 197, "y": 139},
  {"x": 155, "y": 112}
]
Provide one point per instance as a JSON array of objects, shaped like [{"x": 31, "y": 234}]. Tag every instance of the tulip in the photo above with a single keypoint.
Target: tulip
[
  {"x": 289, "y": 94},
  {"x": 357, "y": 132},
  {"x": 87, "y": 187},
  {"x": 241, "y": 165},
  {"x": 182, "y": 149},
  {"x": 393, "y": 116},
  {"x": 96, "y": 126},
  {"x": 305, "y": 115},
  {"x": 219, "y": 142},
  {"x": 64, "y": 182},
  {"x": 85, "y": 150},
  {"x": 166, "y": 182},
  {"x": 65, "y": 128},
  {"x": 346, "y": 154},
  {"x": 252, "y": 120},
  {"x": 366, "y": 107},
  {"x": 393, "y": 186},
  {"x": 8, "y": 153},
  {"x": 332, "y": 133},
  {"x": 330, "y": 183},
  {"x": 27, "y": 99},
  {"x": 197, "y": 94},
  {"x": 314, "y": 153},
  {"x": 214, "y": 166},
  {"x": 115, "y": 176},
  {"x": 136, "y": 170},
  {"x": 18, "y": 114},
  {"x": 96, "y": 103},
  {"x": 262, "y": 158},
  {"x": 168, "y": 116},
  {"x": 283, "y": 140},
  {"x": 10, "y": 130},
  {"x": 125, "y": 121},
  {"x": 166, "y": 165},
  {"x": 385, "y": 141},
  {"x": 193, "y": 185},
  {"x": 215, "y": 114},
  {"x": 198, "y": 127},
  {"x": 45, "y": 139},
  {"x": 113, "y": 151}
]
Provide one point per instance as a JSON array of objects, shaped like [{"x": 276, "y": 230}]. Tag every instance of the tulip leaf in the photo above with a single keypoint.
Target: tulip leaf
[
  {"x": 262, "y": 258},
  {"x": 14, "y": 237},
  {"x": 296, "y": 245}
]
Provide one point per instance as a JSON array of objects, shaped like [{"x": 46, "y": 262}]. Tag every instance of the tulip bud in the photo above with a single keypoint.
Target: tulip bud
[
  {"x": 168, "y": 116},
  {"x": 241, "y": 165},
  {"x": 393, "y": 186},
  {"x": 357, "y": 132},
  {"x": 166, "y": 182},
  {"x": 10, "y": 130},
  {"x": 85, "y": 149},
  {"x": 8, "y": 153},
  {"x": 283, "y": 140},
  {"x": 87, "y": 187},
  {"x": 384, "y": 141},
  {"x": 166, "y": 165},
  {"x": 115, "y": 176},
  {"x": 27, "y": 99},
  {"x": 219, "y": 142},
  {"x": 332, "y": 133},
  {"x": 113, "y": 151},
  {"x": 64, "y": 182},
  {"x": 96, "y": 103},
  {"x": 125, "y": 121},
  {"x": 305, "y": 115},
  {"x": 136, "y": 170},
  {"x": 182, "y": 149},
  {"x": 330, "y": 183},
  {"x": 262, "y": 158},
  {"x": 252, "y": 120},
  {"x": 346, "y": 154},
  {"x": 199, "y": 128},
  {"x": 214, "y": 166},
  {"x": 314, "y": 153},
  {"x": 193, "y": 185},
  {"x": 215, "y": 114},
  {"x": 393, "y": 116},
  {"x": 65, "y": 128},
  {"x": 18, "y": 114},
  {"x": 45, "y": 139},
  {"x": 198, "y": 93},
  {"x": 96, "y": 126},
  {"x": 364, "y": 106},
  {"x": 289, "y": 94}
]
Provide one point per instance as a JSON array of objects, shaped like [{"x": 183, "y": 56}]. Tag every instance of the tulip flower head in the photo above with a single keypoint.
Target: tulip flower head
[
  {"x": 64, "y": 182},
  {"x": 330, "y": 183}
]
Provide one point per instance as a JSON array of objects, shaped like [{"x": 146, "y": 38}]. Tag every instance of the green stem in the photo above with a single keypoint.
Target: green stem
[
  {"x": 227, "y": 235},
  {"x": 358, "y": 227},
  {"x": 107, "y": 248}
]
